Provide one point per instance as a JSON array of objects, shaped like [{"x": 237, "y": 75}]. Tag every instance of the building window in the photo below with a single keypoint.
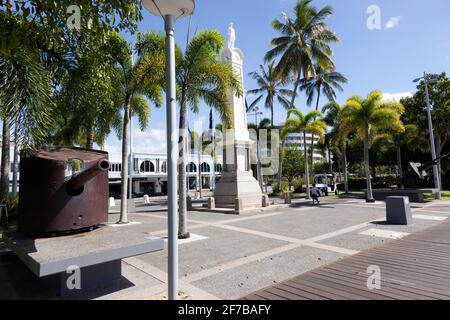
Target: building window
[
  {"x": 191, "y": 167},
  {"x": 218, "y": 167},
  {"x": 205, "y": 167},
  {"x": 115, "y": 167},
  {"x": 147, "y": 166},
  {"x": 164, "y": 167}
]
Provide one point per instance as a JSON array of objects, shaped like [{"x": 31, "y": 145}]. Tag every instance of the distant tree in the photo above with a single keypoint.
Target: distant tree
[
  {"x": 271, "y": 86},
  {"x": 396, "y": 141},
  {"x": 293, "y": 164},
  {"x": 297, "y": 122},
  {"x": 304, "y": 39},
  {"x": 415, "y": 114},
  {"x": 325, "y": 82}
]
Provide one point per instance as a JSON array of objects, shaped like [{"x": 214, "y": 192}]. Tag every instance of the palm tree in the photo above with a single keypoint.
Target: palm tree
[
  {"x": 305, "y": 124},
  {"x": 270, "y": 84},
  {"x": 325, "y": 82},
  {"x": 144, "y": 78},
  {"x": 303, "y": 40},
  {"x": 337, "y": 136},
  {"x": 201, "y": 76},
  {"x": 25, "y": 91},
  {"x": 368, "y": 116}
]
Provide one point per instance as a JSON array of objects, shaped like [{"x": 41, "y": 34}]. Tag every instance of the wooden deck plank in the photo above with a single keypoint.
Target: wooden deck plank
[
  {"x": 414, "y": 267},
  {"x": 387, "y": 285},
  {"x": 404, "y": 275},
  {"x": 403, "y": 279}
]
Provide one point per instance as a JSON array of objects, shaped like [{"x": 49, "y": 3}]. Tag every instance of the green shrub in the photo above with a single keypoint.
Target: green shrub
[
  {"x": 284, "y": 186},
  {"x": 12, "y": 202},
  {"x": 298, "y": 185}
]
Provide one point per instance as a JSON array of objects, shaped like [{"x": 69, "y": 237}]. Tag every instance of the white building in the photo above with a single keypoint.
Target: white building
[
  {"x": 149, "y": 173},
  {"x": 296, "y": 140}
]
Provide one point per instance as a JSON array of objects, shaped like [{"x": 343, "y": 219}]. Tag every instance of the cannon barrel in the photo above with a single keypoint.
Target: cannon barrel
[
  {"x": 430, "y": 164},
  {"x": 79, "y": 179}
]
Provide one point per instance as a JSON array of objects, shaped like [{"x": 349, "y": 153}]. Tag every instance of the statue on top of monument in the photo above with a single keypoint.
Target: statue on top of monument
[{"x": 231, "y": 36}]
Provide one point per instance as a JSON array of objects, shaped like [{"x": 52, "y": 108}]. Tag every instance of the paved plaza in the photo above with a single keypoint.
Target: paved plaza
[{"x": 230, "y": 256}]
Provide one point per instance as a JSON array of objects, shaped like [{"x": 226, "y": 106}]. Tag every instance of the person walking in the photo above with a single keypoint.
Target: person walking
[{"x": 315, "y": 194}]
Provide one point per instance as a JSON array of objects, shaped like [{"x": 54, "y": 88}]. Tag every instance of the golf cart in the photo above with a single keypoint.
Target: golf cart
[{"x": 326, "y": 183}]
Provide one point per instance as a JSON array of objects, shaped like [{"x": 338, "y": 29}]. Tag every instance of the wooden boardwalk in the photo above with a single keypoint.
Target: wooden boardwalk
[{"x": 416, "y": 267}]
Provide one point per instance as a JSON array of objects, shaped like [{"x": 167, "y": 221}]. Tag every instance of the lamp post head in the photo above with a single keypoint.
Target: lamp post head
[{"x": 176, "y": 8}]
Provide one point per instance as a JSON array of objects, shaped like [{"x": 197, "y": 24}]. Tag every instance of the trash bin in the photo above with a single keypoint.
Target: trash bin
[{"x": 398, "y": 211}]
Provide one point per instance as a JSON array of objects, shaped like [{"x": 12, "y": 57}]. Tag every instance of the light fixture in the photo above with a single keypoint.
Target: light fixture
[{"x": 176, "y": 8}]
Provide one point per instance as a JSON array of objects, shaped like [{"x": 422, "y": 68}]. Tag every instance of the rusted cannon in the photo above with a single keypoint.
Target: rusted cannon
[{"x": 63, "y": 190}]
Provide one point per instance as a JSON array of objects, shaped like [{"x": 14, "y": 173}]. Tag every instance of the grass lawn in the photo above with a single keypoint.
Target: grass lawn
[{"x": 445, "y": 196}]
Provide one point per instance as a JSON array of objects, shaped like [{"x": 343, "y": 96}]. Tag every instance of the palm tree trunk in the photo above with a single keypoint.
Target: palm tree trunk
[
  {"x": 5, "y": 165},
  {"x": 182, "y": 185},
  {"x": 15, "y": 162},
  {"x": 125, "y": 151},
  {"x": 329, "y": 159},
  {"x": 399, "y": 166},
  {"x": 199, "y": 173},
  {"x": 305, "y": 149},
  {"x": 271, "y": 117},
  {"x": 297, "y": 84},
  {"x": 369, "y": 196},
  {"x": 344, "y": 169},
  {"x": 280, "y": 167},
  {"x": 90, "y": 138},
  {"x": 312, "y": 137}
]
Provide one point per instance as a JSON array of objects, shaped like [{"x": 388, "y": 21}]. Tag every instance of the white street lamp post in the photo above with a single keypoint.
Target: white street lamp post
[
  {"x": 171, "y": 10},
  {"x": 437, "y": 181}
]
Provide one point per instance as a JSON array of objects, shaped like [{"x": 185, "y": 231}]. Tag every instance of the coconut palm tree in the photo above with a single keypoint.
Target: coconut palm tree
[
  {"x": 201, "y": 76},
  {"x": 325, "y": 82},
  {"x": 368, "y": 116},
  {"x": 303, "y": 40},
  {"x": 297, "y": 122},
  {"x": 25, "y": 91},
  {"x": 270, "y": 84},
  {"x": 144, "y": 78}
]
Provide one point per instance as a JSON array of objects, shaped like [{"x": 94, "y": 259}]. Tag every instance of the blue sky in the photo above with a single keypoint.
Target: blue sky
[{"x": 415, "y": 37}]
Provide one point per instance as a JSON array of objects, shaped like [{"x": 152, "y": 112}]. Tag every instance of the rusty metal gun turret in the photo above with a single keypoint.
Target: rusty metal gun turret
[{"x": 63, "y": 190}]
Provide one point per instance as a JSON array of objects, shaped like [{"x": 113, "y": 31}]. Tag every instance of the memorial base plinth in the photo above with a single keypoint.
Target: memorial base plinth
[
  {"x": 95, "y": 256},
  {"x": 239, "y": 190}
]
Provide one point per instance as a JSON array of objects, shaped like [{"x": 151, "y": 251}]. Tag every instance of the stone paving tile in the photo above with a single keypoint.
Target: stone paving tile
[
  {"x": 221, "y": 246},
  {"x": 242, "y": 280},
  {"x": 308, "y": 224}
]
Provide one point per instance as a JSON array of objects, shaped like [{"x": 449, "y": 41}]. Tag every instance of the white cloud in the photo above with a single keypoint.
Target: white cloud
[
  {"x": 150, "y": 141},
  {"x": 396, "y": 96},
  {"x": 393, "y": 22}
]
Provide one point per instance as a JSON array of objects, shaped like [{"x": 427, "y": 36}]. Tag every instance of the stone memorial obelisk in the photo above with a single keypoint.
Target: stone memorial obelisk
[{"x": 237, "y": 188}]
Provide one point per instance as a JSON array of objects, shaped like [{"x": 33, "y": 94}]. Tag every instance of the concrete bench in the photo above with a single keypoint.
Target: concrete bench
[
  {"x": 98, "y": 256},
  {"x": 414, "y": 195}
]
